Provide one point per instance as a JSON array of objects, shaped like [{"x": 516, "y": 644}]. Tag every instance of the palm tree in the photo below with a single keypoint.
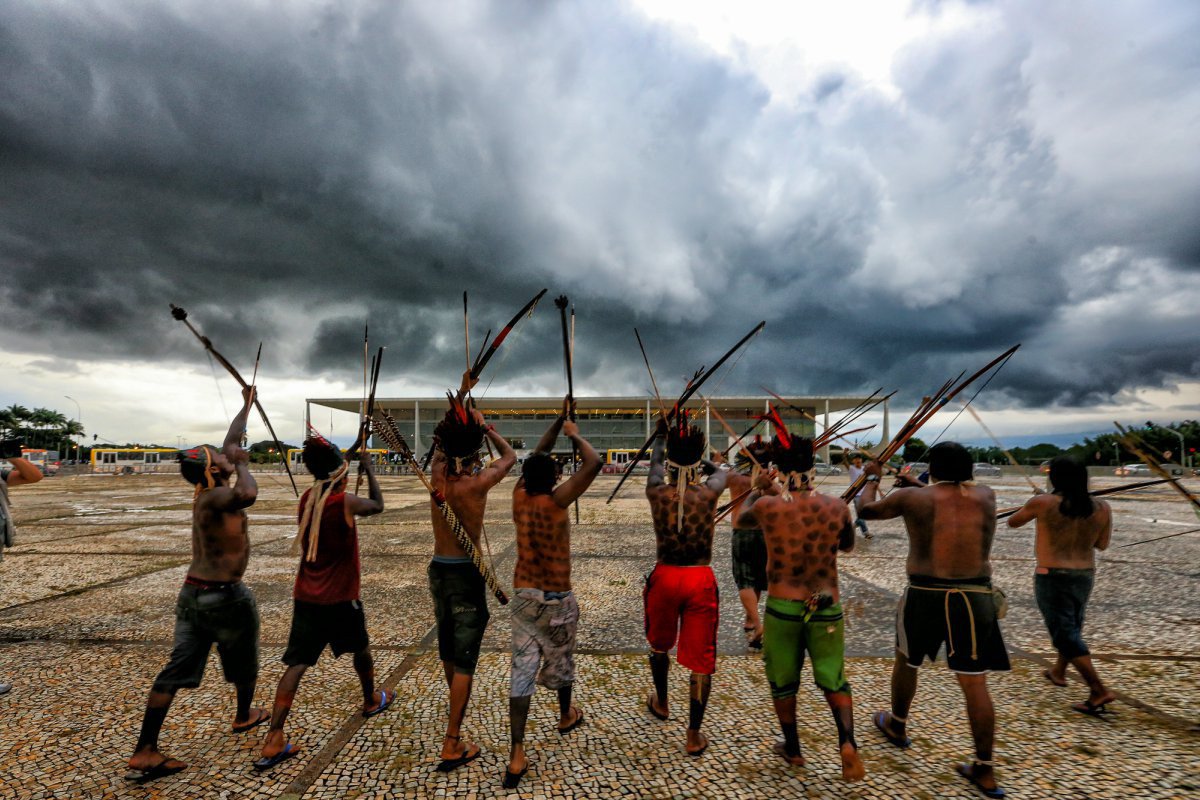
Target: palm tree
[
  {"x": 42, "y": 419},
  {"x": 8, "y": 423}
]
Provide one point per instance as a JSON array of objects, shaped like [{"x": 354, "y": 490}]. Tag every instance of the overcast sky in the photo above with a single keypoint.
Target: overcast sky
[{"x": 900, "y": 193}]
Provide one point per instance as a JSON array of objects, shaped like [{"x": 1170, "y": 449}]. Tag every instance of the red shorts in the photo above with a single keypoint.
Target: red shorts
[{"x": 682, "y": 603}]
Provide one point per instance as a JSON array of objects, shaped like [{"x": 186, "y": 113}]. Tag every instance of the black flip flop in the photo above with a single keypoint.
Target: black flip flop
[
  {"x": 697, "y": 753},
  {"x": 968, "y": 772},
  {"x": 1050, "y": 679},
  {"x": 159, "y": 770},
  {"x": 265, "y": 717},
  {"x": 451, "y": 764},
  {"x": 1098, "y": 711},
  {"x": 266, "y": 762},
  {"x": 880, "y": 719},
  {"x": 578, "y": 721},
  {"x": 512, "y": 779}
]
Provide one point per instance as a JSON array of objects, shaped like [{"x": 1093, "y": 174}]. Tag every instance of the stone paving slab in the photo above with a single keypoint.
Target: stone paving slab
[{"x": 28, "y": 578}]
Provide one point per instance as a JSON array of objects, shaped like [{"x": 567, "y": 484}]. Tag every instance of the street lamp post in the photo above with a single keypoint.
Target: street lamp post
[
  {"x": 1182, "y": 451},
  {"x": 78, "y": 411}
]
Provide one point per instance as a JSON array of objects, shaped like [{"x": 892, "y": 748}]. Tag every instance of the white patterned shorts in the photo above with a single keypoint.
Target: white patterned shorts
[{"x": 543, "y": 645}]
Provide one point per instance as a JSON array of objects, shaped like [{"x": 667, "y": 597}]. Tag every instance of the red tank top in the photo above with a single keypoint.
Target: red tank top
[{"x": 334, "y": 576}]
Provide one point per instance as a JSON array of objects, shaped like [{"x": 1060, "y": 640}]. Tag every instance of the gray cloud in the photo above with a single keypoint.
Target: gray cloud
[{"x": 302, "y": 169}]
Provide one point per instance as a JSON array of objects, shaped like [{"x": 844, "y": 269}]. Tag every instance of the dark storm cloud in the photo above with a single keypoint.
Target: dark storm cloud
[{"x": 300, "y": 168}]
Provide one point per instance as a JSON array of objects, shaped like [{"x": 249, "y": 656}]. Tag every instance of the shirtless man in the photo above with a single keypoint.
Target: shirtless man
[
  {"x": 545, "y": 614},
  {"x": 1071, "y": 527},
  {"x": 680, "y": 597},
  {"x": 214, "y": 606},
  {"x": 748, "y": 549},
  {"x": 23, "y": 472},
  {"x": 459, "y": 594},
  {"x": 949, "y": 597},
  {"x": 327, "y": 607},
  {"x": 804, "y": 531}
]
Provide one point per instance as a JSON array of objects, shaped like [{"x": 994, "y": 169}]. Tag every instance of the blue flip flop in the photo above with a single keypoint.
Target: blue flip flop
[
  {"x": 383, "y": 704},
  {"x": 283, "y": 755}
]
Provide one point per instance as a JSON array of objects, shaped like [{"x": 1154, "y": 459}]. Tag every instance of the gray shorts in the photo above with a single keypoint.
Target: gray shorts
[
  {"x": 543, "y": 647},
  {"x": 226, "y": 617}
]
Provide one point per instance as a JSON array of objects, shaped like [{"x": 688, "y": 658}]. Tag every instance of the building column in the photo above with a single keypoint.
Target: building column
[
  {"x": 647, "y": 418},
  {"x": 307, "y": 420},
  {"x": 707, "y": 424},
  {"x": 825, "y": 449},
  {"x": 417, "y": 427}
]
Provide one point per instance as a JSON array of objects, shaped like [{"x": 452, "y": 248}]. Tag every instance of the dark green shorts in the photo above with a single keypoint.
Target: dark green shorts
[
  {"x": 461, "y": 609},
  {"x": 749, "y": 559},
  {"x": 788, "y": 633}
]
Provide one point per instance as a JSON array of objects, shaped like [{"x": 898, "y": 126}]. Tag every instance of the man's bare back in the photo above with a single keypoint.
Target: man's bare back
[
  {"x": 691, "y": 544},
  {"x": 543, "y": 542},
  {"x": 803, "y": 537},
  {"x": 220, "y": 539},
  {"x": 1066, "y": 542},
  {"x": 950, "y": 527}
]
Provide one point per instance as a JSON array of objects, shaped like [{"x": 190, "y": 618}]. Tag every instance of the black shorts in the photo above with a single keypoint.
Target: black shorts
[
  {"x": 749, "y": 559},
  {"x": 225, "y": 616},
  {"x": 460, "y": 606},
  {"x": 342, "y": 626},
  {"x": 960, "y": 613},
  {"x": 1062, "y": 597}
]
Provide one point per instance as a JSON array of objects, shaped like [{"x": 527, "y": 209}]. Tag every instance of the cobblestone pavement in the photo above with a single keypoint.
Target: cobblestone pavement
[{"x": 86, "y": 602}]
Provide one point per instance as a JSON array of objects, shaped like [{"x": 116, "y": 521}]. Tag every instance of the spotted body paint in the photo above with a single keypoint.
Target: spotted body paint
[
  {"x": 543, "y": 542},
  {"x": 689, "y": 544},
  {"x": 803, "y": 536}
]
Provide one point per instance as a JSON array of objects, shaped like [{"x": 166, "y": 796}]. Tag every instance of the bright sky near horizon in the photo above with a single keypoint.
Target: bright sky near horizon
[{"x": 902, "y": 190}]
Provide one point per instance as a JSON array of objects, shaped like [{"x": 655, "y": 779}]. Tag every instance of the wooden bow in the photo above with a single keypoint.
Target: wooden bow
[
  {"x": 181, "y": 315},
  {"x": 925, "y": 411},
  {"x": 486, "y": 356},
  {"x": 561, "y": 303},
  {"x": 692, "y": 387}
]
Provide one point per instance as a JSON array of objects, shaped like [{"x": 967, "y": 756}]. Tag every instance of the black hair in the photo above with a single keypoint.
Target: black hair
[
  {"x": 1069, "y": 478},
  {"x": 759, "y": 449},
  {"x": 195, "y": 464},
  {"x": 950, "y": 462},
  {"x": 794, "y": 454},
  {"x": 321, "y": 458},
  {"x": 540, "y": 472},
  {"x": 458, "y": 436},
  {"x": 685, "y": 442}
]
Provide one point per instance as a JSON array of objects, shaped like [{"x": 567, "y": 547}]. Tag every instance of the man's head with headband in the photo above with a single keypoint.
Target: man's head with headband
[
  {"x": 458, "y": 437},
  {"x": 761, "y": 452},
  {"x": 205, "y": 467},
  {"x": 685, "y": 448},
  {"x": 321, "y": 457}
]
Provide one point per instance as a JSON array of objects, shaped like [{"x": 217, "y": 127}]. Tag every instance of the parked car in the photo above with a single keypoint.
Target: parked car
[
  {"x": 826, "y": 469},
  {"x": 982, "y": 468},
  {"x": 1133, "y": 471},
  {"x": 914, "y": 468},
  {"x": 1126, "y": 469},
  {"x": 1172, "y": 469},
  {"x": 1044, "y": 467}
]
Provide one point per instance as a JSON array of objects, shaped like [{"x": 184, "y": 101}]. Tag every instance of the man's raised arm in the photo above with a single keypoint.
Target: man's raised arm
[
  {"x": 658, "y": 456},
  {"x": 546, "y": 443},
  {"x": 23, "y": 472},
  {"x": 372, "y": 504},
  {"x": 889, "y": 507},
  {"x": 245, "y": 491},
  {"x": 589, "y": 467},
  {"x": 496, "y": 471}
]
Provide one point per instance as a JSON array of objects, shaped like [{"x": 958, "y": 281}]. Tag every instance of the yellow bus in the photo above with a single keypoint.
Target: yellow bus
[
  {"x": 132, "y": 459},
  {"x": 379, "y": 455}
]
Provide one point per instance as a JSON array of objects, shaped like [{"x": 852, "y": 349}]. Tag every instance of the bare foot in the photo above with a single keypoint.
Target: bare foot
[
  {"x": 572, "y": 720},
  {"x": 697, "y": 742},
  {"x": 796, "y": 760},
  {"x": 455, "y": 747},
  {"x": 852, "y": 766},
  {"x": 274, "y": 743},
  {"x": 659, "y": 711},
  {"x": 1102, "y": 699},
  {"x": 1055, "y": 678},
  {"x": 374, "y": 707},
  {"x": 518, "y": 763}
]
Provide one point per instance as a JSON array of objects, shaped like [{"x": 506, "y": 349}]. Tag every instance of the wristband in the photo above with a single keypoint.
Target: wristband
[
  {"x": 490, "y": 427},
  {"x": 872, "y": 479}
]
